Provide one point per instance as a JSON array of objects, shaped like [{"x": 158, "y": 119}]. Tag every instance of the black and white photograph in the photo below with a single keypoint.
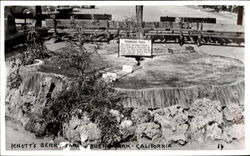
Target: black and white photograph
[{"x": 97, "y": 77}]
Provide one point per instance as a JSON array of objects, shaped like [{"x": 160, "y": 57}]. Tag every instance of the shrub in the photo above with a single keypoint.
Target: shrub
[{"x": 87, "y": 93}]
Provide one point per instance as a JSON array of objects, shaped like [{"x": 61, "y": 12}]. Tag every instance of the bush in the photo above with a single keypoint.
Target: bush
[{"x": 87, "y": 94}]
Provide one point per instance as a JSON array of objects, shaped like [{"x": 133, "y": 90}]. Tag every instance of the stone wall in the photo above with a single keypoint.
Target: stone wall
[{"x": 205, "y": 120}]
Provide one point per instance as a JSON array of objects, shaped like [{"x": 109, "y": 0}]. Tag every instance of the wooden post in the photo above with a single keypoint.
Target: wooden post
[
  {"x": 38, "y": 16},
  {"x": 240, "y": 15},
  {"x": 55, "y": 26},
  {"x": 139, "y": 21},
  {"x": 139, "y": 30}
]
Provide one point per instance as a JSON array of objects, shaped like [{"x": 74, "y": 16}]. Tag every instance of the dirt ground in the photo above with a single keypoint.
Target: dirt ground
[{"x": 16, "y": 134}]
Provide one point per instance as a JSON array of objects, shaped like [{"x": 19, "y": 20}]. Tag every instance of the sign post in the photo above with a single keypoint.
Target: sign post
[
  {"x": 139, "y": 33},
  {"x": 139, "y": 21},
  {"x": 138, "y": 47}
]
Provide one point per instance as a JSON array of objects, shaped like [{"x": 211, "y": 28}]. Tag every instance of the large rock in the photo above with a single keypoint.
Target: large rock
[
  {"x": 171, "y": 116},
  {"x": 25, "y": 121},
  {"x": 116, "y": 114},
  {"x": 141, "y": 115},
  {"x": 127, "y": 130},
  {"x": 176, "y": 135},
  {"x": 197, "y": 128},
  {"x": 89, "y": 133},
  {"x": 213, "y": 132},
  {"x": 81, "y": 130},
  {"x": 208, "y": 109},
  {"x": 233, "y": 132},
  {"x": 148, "y": 133},
  {"x": 125, "y": 124},
  {"x": 233, "y": 113},
  {"x": 35, "y": 125},
  {"x": 163, "y": 121},
  {"x": 205, "y": 112},
  {"x": 71, "y": 135},
  {"x": 173, "y": 121}
]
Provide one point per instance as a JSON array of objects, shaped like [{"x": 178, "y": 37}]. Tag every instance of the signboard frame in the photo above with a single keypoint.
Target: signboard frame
[{"x": 151, "y": 54}]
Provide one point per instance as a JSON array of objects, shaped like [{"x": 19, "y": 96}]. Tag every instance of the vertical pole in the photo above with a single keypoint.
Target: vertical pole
[
  {"x": 139, "y": 32},
  {"x": 139, "y": 21},
  {"x": 38, "y": 16},
  {"x": 240, "y": 15},
  {"x": 55, "y": 25},
  {"x": 108, "y": 35}
]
